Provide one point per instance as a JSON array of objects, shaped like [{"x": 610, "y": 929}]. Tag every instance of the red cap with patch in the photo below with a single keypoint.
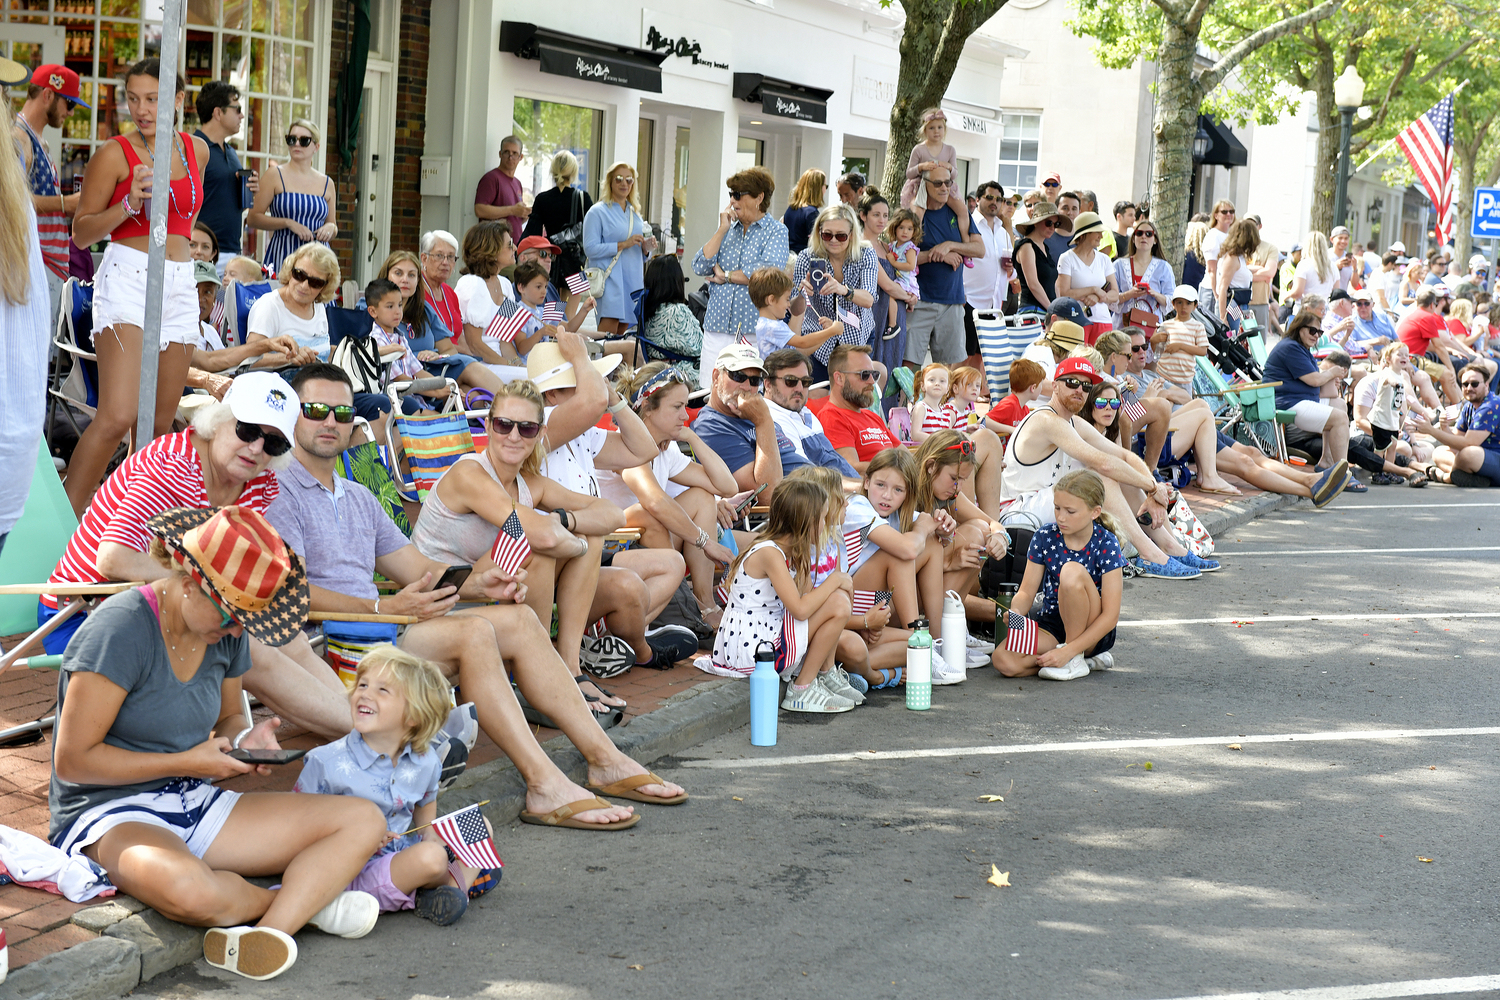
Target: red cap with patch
[{"x": 59, "y": 80}]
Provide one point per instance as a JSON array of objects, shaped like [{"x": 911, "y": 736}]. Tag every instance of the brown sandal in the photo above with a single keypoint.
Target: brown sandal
[
  {"x": 563, "y": 816},
  {"x": 625, "y": 788}
]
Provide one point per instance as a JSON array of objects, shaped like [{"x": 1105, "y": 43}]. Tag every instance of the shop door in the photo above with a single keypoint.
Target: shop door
[
  {"x": 372, "y": 212},
  {"x": 34, "y": 45}
]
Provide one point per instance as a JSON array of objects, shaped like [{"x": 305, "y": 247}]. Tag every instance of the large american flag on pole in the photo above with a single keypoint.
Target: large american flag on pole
[
  {"x": 1428, "y": 145},
  {"x": 468, "y": 837}
]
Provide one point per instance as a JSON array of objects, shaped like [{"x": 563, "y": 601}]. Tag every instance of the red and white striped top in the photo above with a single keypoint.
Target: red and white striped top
[
  {"x": 167, "y": 473},
  {"x": 935, "y": 418}
]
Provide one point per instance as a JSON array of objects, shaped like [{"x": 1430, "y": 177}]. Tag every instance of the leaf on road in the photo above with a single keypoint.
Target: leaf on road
[
  {"x": 991, "y": 798},
  {"x": 1235, "y": 746},
  {"x": 1420, "y": 858},
  {"x": 736, "y": 798},
  {"x": 637, "y": 968},
  {"x": 998, "y": 878},
  {"x": 1148, "y": 765}
]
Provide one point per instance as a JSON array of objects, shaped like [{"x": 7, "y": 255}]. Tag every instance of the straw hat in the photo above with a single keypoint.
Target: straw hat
[
  {"x": 1041, "y": 210},
  {"x": 546, "y": 366},
  {"x": 238, "y": 558},
  {"x": 1085, "y": 223},
  {"x": 1064, "y": 334}
]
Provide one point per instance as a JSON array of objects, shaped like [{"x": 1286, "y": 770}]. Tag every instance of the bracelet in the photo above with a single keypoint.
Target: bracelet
[
  {"x": 234, "y": 744},
  {"x": 125, "y": 204},
  {"x": 619, "y": 405},
  {"x": 702, "y": 539},
  {"x": 866, "y": 619}
]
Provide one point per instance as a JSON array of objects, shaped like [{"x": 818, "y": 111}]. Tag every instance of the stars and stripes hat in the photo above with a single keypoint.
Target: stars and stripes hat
[{"x": 242, "y": 564}]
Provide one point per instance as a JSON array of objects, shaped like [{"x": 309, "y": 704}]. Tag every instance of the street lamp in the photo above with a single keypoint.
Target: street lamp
[{"x": 1348, "y": 94}]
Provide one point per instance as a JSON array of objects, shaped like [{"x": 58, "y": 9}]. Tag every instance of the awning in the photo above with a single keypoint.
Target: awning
[
  {"x": 583, "y": 58},
  {"x": 782, "y": 99},
  {"x": 1224, "y": 149}
]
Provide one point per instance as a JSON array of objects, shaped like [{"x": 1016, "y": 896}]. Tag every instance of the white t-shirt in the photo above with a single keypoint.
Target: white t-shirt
[
  {"x": 1308, "y": 272},
  {"x": 1384, "y": 393},
  {"x": 1042, "y": 355},
  {"x": 667, "y": 463},
  {"x": 1210, "y": 255},
  {"x": 270, "y": 317},
  {"x": 1092, "y": 275},
  {"x": 571, "y": 466},
  {"x": 860, "y": 516},
  {"x": 208, "y": 337},
  {"x": 474, "y": 301}
]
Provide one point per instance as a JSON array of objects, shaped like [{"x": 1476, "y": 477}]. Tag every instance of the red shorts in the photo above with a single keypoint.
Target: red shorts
[{"x": 1093, "y": 331}]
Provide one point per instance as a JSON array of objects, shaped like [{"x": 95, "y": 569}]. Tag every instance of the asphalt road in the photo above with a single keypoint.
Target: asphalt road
[{"x": 1277, "y": 866}]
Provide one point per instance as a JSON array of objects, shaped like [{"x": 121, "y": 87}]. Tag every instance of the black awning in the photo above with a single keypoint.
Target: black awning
[
  {"x": 1224, "y": 150},
  {"x": 782, "y": 99},
  {"x": 583, "y": 58}
]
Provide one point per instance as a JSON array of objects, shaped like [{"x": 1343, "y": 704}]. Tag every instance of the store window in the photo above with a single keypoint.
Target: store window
[
  {"x": 749, "y": 153},
  {"x": 1020, "y": 135},
  {"x": 679, "y": 184},
  {"x": 546, "y": 129},
  {"x": 263, "y": 47}
]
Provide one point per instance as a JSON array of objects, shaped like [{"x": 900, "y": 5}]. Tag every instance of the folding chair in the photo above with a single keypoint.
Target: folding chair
[
  {"x": 1247, "y": 411},
  {"x": 996, "y": 349},
  {"x": 74, "y": 389},
  {"x": 238, "y": 299}
]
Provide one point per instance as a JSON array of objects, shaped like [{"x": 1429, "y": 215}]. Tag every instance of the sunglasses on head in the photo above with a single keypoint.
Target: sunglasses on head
[
  {"x": 299, "y": 140},
  {"x": 275, "y": 445},
  {"x": 1074, "y": 383},
  {"x": 863, "y": 374},
  {"x": 1112, "y": 404},
  {"x": 742, "y": 378},
  {"x": 792, "y": 381},
  {"x": 316, "y": 284},
  {"x": 320, "y": 411},
  {"x": 828, "y": 237},
  {"x": 528, "y": 429},
  {"x": 964, "y": 447}
]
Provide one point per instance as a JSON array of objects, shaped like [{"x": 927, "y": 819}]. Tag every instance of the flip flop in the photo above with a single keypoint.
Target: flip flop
[
  {"x": 563, "y": 816},
  {"x": 1227, "y": 493},
  {"x": 625, "y": 788}
]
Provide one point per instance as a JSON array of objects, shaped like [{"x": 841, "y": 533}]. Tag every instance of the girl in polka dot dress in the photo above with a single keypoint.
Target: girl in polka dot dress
[{"x": 772, "y": 599}]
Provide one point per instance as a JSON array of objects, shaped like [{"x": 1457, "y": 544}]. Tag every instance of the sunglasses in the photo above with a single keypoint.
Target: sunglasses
[
  {"x": 275, "y": 445},
  {"x": 528, "y": 429},
  {"x": 316, "y": 284},
  {"x": 299, "y": 140},
  {"x": 965, "y": 448},
  {"x": 1049, "y": 223},
  {"x": 1146, "y": 233},
  {"x": 226, "y": 617},
  {"x": 1472, "y": 385},
  {"x": 828, "y": 237},
  {"x": 991, "y": 197},
  {"x": 941, "y": 184},
  {"x": 737, "y": 195},
  {"x": 1137, "y": 348},
  {"x": 544, "y": 254},
  {"x": 863, "y": 374},
  {"x": 742, "y": 378},
  {"x": 1074, "y": 383},
  {"x": 792, "y": 381},
  {"x": 1112, "y": 404},
  {"x": 623, "y": 180},
  {"x": 320, "y": 411},
  {"x": 1050, "y": 184}
]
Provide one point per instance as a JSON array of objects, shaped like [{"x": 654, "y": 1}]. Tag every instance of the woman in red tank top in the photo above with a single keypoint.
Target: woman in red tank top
[{"x": 114, "y": 205}]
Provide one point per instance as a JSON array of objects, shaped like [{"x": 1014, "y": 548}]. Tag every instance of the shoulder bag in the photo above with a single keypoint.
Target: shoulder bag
[
  {"x": 571, "y": 258},
  {"x": 597, "y": 277}
]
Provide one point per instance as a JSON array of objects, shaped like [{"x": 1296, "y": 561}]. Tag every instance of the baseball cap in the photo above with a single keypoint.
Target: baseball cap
[
  {"x": 1337, "y": 295},
  {"x": 1068, "y": 309},
  {"x": 1185, "y": 292},
  {"x": 1336, "y": 230},
  {"x": 1478, "y": 260},
  {"x": 1362, "y": 295},
  {"x": 59, "y": 80},
  {"x": 537, "y": 243},
  {"x": 1077, "y": 366},
  {"x": 264, "y": 398},
  {"x": 738, "y": 357},
  {"x": 1295, "y": 248},
  {"x": 1054, "y": 177},
  {"x": 1397, "y": 246},
  {"x": 205, "y": 273}
]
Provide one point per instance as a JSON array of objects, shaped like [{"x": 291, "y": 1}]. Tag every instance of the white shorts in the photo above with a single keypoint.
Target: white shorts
[
  {"x": 507, "y": 373},
  {"x": 192, "y": 809},
  {"x": 120, "y": 295},
  {"x": 1312, "y": 416}
]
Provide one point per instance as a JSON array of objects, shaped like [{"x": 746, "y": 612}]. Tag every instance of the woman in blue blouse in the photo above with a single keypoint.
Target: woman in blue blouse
[
  {"x": 614, "y": 232},
  {"x": 747, "y": 239},
  {"x": 1145, "y": 263},
  {"x": 849, "y": 289}
]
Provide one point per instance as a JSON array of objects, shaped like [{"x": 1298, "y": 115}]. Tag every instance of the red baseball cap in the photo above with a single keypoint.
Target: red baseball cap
[
  {"x": 1077, "y": 366},
  {"x": 537, "y": 243},
  {"x": 59, "y": 80},
  {"x": 1054, "y": 177}
]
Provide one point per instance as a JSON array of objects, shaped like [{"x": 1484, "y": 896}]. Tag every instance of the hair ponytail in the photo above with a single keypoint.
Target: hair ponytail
[{"x": 1086, "y": 485}]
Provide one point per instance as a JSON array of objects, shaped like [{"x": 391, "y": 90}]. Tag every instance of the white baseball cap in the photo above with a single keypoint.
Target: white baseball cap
[
  {"x": 1478, "y": 261},
  {"x": 1397, "y": 246},
  {"x": 265, "y": 398},
  {"x": 1185, "y": 292}
]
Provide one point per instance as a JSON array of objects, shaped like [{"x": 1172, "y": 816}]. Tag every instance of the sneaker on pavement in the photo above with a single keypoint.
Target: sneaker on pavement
[
  {"x": 463, "y": 724},
  {"x": 1070, "y": 671},
  {"x": 350, "y": 915},
  {"x": 1198, "y": 563},
  {"x": 455, "y": 761},
  {"x": 606, "y": 656},
  {"x": 815, "y": 698},
  {"x": 837, "y": 682},
  {"x": 978, "y": 645},
  {"x": 442, "y": 905},
  {"x": 678, "y": 641},
  {"x": 1103, "y": 661},
  {"x": 1330, "y": 484},
  {"x": 1169, "y": 570},
  {"x": 252, "y": 952},
  {"x": 975, "y": 660}
]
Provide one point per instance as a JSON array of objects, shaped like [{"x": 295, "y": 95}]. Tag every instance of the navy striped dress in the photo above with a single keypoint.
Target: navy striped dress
[{"x": 309, "y": 209}]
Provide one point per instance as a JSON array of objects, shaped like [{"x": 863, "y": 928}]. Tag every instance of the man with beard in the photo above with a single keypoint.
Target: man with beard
[
  {"x": 787, "y": 382},
  {"x": 50, "y": 99},
  {"x": 855, "y": 430}
]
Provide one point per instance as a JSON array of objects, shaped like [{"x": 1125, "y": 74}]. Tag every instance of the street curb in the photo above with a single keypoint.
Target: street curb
[{"x": 137, "y": 943}]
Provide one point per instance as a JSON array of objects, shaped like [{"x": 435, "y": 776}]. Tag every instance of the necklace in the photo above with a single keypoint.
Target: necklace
[
  {"x": 168, "y": 637},
  {"x": 181, "y": 147}
]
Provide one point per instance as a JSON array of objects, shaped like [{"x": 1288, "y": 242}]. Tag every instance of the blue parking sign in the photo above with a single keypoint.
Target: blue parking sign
[{"x": 1485, "y": 223}]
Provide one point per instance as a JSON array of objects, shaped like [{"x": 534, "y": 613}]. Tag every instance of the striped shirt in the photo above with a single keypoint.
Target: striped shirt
[
  {"x": 165, "y": 474},
  {"x": 52, "y": 227}
]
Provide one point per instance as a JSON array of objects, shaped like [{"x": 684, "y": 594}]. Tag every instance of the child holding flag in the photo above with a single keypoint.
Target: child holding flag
[{"x": 399, "y": 703}]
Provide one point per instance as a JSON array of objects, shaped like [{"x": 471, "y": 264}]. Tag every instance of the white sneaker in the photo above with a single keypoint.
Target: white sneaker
[
  {"x": 1103, "y": 661},
  {"x": 252, "y": 952},
  {"x": 350, "y": 915},
  {"x": 815, "y": 698},
  {"x": 463, "y": 724},
  {"x": 837, "y": 682},
  {"x": 1070, "y": 671},
  {"x": 975, "y": 660},
  {"x": 978, "y": 645},
  {"x": 606, "y": 656}
]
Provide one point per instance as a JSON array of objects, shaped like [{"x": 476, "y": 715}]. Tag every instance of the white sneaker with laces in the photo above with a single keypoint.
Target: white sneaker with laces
[
  {"x": 815, "y": 698},
  {"x": 837, "y": 682},
  {"x": 978, "y": 645},
  {"x": 1070, "y": 671},
  {"x": 350, "y": 915},
  {"x": 1103, "y": 661},
  {"x": 976, "y": 659}
]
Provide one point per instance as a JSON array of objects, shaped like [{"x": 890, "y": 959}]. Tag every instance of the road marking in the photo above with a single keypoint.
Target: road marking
[
  {"x": 1373, "y": 991},
  {"x": 1142, "y": 744},
  {"x": 1356, "y": 552},
  {"x": 1151, "y": 623},
  {"x": 1411, "y": 506}
]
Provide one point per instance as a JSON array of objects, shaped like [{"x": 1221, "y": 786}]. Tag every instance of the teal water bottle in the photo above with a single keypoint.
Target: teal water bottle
[
  {"x": 765, "y": 697},
  {"x": 1002, "y": 612},
  {"x": 919, "y": 667}
]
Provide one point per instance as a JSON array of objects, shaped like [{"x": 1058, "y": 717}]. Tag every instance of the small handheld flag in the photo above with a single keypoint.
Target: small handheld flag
[
  {"x": 511, "y": 547},
  {"x": 468, "y": 837},
  {"x": 1020, "y": 637},
  {"x": 1134, "y": 410},
  {"x": 578, "y": 283},
  {"x": 552, "y": 312},
  {"x": 510, "y": 319},
  {"x": 866, "y": 601}
]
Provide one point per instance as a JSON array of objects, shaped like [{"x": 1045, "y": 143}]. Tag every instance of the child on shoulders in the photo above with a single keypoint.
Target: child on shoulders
[{"x": 931, "y": 152}]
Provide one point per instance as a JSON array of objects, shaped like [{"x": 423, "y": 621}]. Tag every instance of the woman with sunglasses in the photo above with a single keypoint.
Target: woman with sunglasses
[
  {"x": 116, "y": 189},
  {"x": 1145, "y": 281},
  {"x": 890, "y": 348},
  {"x": 225, "y": 457},
  {"x": 426, "y": 333},
  {"x": 747, "y": 240},
  {"x": 617, "y": 240},
  {"x": 1223, "y": 217},
  {"x": 847, "y": 266},
  {"x": 1035, "y": 266},
  {"x": 297, "y": 202}
]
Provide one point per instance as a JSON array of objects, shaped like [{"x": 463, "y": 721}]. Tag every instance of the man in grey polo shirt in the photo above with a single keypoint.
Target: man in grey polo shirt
[{"x": 342, "y": 533}]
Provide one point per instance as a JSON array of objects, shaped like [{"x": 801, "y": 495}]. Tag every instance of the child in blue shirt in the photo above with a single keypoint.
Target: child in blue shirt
[
  {"x": 399, "y": 703},
  {"x": 771, "y": 293}
]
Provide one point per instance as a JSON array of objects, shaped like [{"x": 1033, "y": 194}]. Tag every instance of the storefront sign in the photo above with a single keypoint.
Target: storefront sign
[
  {"x": 599, "y": 68},
  {"x": 874, "y": 89},
  {"x": 692, "y": 48},
  {"x": 962, "y": 122},
  {"x": 781, "y": 105},
  {"x": 583, "y": 58}
]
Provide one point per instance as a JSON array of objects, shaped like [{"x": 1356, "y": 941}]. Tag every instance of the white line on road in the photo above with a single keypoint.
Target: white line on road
[
  {"x": 1156, "y": 622},
  {"x": 1373, "y": 991},
  {"x": 1356, "y": 552},
  {"x": 1411, "y": 506},
  {"x": 1019, "y": 748}
]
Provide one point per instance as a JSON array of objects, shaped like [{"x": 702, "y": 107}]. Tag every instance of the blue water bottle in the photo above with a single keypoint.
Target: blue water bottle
[{"x": 765, "y": 696}]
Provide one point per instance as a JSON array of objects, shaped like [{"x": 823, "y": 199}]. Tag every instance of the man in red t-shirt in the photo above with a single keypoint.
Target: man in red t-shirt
[
  {"x": 499, "y": 193},
  {"x": 1422, "y": 327},
  {"x": 851, "y": 427}
]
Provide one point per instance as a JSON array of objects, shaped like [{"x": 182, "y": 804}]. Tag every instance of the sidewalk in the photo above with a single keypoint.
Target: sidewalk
[{"x": 113, "y": 945}]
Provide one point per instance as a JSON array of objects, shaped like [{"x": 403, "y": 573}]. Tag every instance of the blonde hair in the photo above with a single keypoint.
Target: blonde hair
[
  {"x": 836, "y": 213},
  {"x": 207, "y": 421},
  {"x": 925, "y": 121},
  {"x": 17, "y": 226},
  {"x": 1087, "y": 352},
  {"x": 319, "y": 256},
  {"x": 606, "y": 184},
  {"x": 1316, "y": 249},
  {"x": 524, "y": 389},
  {"x": 1461, "y": 310},
  {"x": 958, "y": 377},
  {"x": 811, "y": 189},
  {"x": 938, "y": 450},
  {"x": 798, "y": 509},
  {"x": 1086, "y": 485},
  {"x": 1193, "y": 242},
  {"x": 833, "y": 484},
  {"x": 248, "y": 264},
  {"x": 428, "y": 696},
  {"x": 311, "y": 128},
  {"x": 564, "y": 168},
  {"x": 902, "y": 461},
  {"x": 1388, "y": 354},
  {"x": 1112, "y": 342}
]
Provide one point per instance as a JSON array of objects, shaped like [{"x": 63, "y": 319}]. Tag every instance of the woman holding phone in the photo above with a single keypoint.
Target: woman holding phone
[
  {"x": 836, "y": 277},
  {"x": 617, "y": 240},
  {"x": 295, "y": 201}
]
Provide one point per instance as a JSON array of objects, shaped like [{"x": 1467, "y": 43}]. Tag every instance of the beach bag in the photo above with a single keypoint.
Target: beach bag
[
  {"x": 1184, "y": 526},
  {"x": 360, "y": 360}
]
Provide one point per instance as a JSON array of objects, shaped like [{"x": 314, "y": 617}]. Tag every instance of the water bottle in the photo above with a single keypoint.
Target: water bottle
[
  {"x": 765, "y": 696},
  {"x": 1002, "y": 612},
  {"x": 955, "y": 634},
  {"x": 726, "y": 539},
  {"x": 919, "y": 667}
]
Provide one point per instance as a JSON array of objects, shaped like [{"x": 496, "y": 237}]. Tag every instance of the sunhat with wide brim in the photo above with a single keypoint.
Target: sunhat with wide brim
[
  {"x": 243, "y": 564},
  {"x": 548, "y": 369},
  {"x": 1085, "y": 223},
  {"x": 1041, "y": 210}
]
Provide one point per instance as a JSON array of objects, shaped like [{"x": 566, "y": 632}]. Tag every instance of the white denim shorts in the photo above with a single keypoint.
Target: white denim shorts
[{"x": 120, "y": 295}]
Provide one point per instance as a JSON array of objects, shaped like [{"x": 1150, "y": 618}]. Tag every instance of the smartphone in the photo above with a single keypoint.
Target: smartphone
[
  {"x": 749, "y": 501},
  {"x": 454, "y": 576},
  {"x": 817, "y": 274},
  {"x": 267, "y": 756}
]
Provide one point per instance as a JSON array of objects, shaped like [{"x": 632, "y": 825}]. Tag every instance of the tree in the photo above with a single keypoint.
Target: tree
[
  {"x": 931, "y": 43},
  {"x": 1174, "y": 30}
]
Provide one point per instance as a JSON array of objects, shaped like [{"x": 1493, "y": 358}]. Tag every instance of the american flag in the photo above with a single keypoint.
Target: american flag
[
  {"x": 552, "y": 312},
  {"x": 1234, "y": 310},
  {"x": 1428, "y": 145},
  {"x": 578, "y": 283},
  {"x": 511, "y": 547},
  {"x": 510, "y": 319},
  {"x": 216, "y": 318},
  {"x": 865, "y": 600},
  {"x": 854, "y": 544},
  {"x": 468, "y": 838},
  {"x": 721, "y": 594},
  {"x": 1134, "y": 410},
  {"x": 1020, "y": 635}
]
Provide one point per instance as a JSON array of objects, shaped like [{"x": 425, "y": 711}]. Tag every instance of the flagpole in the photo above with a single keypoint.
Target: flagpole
[
  {"x": 1391, "y": 142},
  {"x": 424, "y": 826}
]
